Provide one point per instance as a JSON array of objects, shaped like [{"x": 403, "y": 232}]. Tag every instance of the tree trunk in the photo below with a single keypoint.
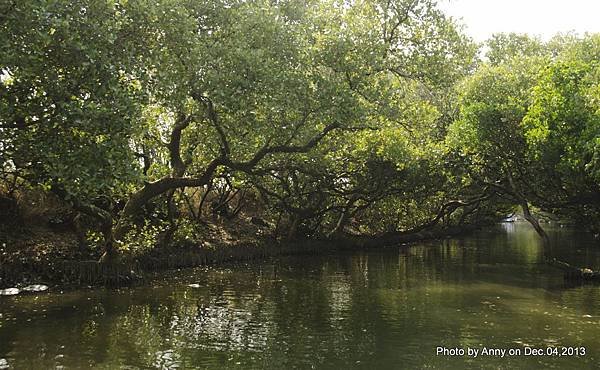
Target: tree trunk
[
  {"x": 343, "y": 219},
  {"x": 525, "y": 206},
  {"x": 293, "y": 228},
  {"x": 575, "y": 273},
  {"x": 110, "y": 254},
  {"x": 172, "y": 214},
  {"x": 534, "y": 222},
  {"x": 150, "y": 190}
]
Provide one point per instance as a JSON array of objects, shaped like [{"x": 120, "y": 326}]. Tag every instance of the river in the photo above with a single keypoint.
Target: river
[{"x": 390, "y": 308}]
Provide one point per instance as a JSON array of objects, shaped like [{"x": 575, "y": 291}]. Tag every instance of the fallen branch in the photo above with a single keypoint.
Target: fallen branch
[{"x": 575, "y": 273}]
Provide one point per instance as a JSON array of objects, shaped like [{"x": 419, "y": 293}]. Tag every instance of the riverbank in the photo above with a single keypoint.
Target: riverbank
[{"x": 43, "y": 256}]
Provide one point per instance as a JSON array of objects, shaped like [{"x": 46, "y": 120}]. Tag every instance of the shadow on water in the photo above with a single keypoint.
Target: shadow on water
[{"x": 386, "y": 308}]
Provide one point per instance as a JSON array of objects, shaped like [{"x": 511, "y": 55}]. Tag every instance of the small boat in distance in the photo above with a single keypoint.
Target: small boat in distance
[{"x": 510, "y": 218}]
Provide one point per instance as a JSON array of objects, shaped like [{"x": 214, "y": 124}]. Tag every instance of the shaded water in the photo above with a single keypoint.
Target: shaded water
[{"x": 388, "y": 308}]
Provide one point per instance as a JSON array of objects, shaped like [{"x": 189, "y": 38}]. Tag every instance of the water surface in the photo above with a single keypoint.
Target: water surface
[{"x": 382, "y": 309}]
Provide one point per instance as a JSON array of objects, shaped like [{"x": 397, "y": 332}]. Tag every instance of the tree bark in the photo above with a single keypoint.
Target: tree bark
[
  {"x": 534, "y": 222},
  {"x": 343, "y": 219},
  {"x": 292, "y": 231},
  {"x": 525, "y": 207},
  {"x": 150, "y": 190}
]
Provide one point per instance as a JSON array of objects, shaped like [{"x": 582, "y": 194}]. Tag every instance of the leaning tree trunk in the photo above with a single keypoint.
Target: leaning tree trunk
[
  {"x": 104, "y": 217},
  {"x": 172, "y": 213},
  {"x": 576, "y": 273},
  {"x": 292, "y": 231},
  {"x": 343, "y": 219},
  {"x": 110, "y": 254},
  {"x": 534, "y": 222},
  {"x": 526, "y": 212}
]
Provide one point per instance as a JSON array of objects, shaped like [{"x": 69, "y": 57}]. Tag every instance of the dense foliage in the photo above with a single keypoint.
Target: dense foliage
[{"x": 326, "y": 117}]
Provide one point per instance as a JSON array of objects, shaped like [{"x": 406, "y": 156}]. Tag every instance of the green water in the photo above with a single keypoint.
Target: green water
[{"x": 384, "y": 309}]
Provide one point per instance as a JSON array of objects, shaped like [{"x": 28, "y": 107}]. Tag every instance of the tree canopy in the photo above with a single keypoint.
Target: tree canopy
[{"x": 360, "y": 117}]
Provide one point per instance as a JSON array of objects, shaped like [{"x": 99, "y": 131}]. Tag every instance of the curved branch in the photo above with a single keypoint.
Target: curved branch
[
  {"x": 174, "y": 145},
  {"x": 249, "y": 165}
]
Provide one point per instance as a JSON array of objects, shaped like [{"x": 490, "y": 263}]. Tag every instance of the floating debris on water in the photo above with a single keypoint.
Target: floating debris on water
[
  {"x": 35, "y": 288},
  {"x": 194, "y": 285},
  {"x": 10, "y": 291}
]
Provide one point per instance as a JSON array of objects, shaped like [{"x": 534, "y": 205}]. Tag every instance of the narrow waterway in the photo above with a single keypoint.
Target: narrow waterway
[{"x": 383, "y": 309}]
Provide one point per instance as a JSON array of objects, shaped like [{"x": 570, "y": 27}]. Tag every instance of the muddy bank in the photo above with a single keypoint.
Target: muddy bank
[{"x": 54, "y": 269}]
